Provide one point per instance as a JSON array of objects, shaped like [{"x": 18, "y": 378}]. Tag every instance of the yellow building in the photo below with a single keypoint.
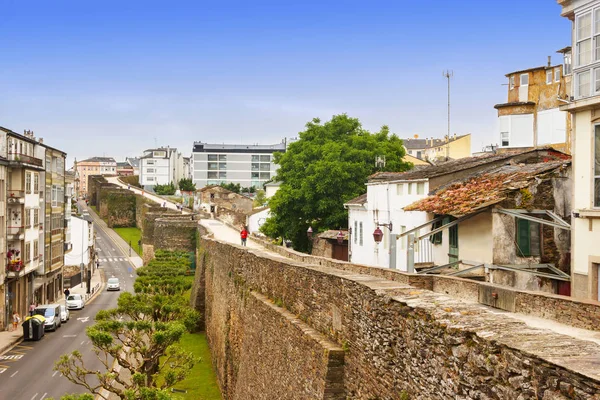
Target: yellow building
[
  {"x": 92, "y": 166},
  {"x": 531, "y": 117},
  {"x": 431, "y": 149}
]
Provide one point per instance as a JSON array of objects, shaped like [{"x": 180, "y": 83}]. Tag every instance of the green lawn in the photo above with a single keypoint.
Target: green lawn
[
  {"x": 201, "y": 383},
  {"x": 131, "y": 235}
]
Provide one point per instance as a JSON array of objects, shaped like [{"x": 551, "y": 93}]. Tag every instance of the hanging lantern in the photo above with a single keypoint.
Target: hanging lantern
[
  {"x": 340, "y": 237},
  {"x": 378, "y": 235},
  {"x": 309, "y": 232}
]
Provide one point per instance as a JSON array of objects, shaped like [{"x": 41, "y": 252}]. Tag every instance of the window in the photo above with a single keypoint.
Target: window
[
  {"x": 213, "y": 166},
  {"x": 36, "y": 249},
  {"x": 400, "y": 189},
  {"x": 54, "y": 195},
  {"x": 255, "y": 166},
  {"x": 212, "y": 157},
  {"x": 355, "y": 231},
  {"x": 254, "y": 175},
  {"x": 360, "y": 234},
  {"x": 437, "y": 237},
  {"x": 557, "y": 74},
  {"x": 222, "y": 175},
  {"x": 213, "y": 175},
  {"x": 583, "y": 84},
  {"x": 222, "y": 157},
  {"x": 597, "y": 166},
  {"x": 150, "y": 178},
  {"x": 524, "y": 79},
  {"x": 418, "y": 154},
  {"x": 222, "y": 166},
  {"x": 36, "y": 183},
  {"x": 27, "y": 218},
  {"x": 149, "y": 162},
  {"x": 265, "y": 167},
  {"x": 36, "y": 217},
  {"x": 584, "y": 39},
  {"x": 255, "y": 158},
  {"x": 512, "y": 82},
  {"x": 548, "y": 77},
  {"x": 28, "y": 182},
  {"x": 567, "y": 63},
  {"x": 150, "y": 170},
  {"x": 27, "y": 255},
  {"x": 265, "y": 158},
  {"x": 528, "y": 238},
  {"x": 504, "y": 138},
  {"x": 597, "y": 80},
  {"x": 421, "y": 188},
  {"x": 265, "y": 175},
  {"x": 409, "y": 187}
]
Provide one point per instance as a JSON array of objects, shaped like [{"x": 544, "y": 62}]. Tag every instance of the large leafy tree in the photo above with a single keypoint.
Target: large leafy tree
[{"x": 326, "y": 167}]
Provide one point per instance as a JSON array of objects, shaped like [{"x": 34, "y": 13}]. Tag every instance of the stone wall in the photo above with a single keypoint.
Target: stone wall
[
  {"x": 175, "y": 233},
  {"x": 150, "y": 213},
  {"x": 117, "y": 206},
  {"x": 400, "y": 341}
]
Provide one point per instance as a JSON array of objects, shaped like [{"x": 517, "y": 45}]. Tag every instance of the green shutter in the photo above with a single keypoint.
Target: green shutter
[{"x": 523, "y": 238}]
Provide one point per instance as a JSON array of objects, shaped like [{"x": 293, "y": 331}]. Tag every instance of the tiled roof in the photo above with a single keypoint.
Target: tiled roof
[
  {"x": 442, "y": 168},
  {"x": 99, "y": 159},
  {"x": 414, "y": 144},
  {"x": 360, "y": 200},
  {"x": 332, "y": 234},
  {"x": 484, "y": 189}
]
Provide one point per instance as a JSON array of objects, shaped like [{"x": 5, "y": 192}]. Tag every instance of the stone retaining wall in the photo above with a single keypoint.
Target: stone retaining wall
[{"x": 400, "y": 341}]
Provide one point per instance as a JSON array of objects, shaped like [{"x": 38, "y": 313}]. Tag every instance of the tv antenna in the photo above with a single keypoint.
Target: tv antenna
[{"x": 448, "y": 74}]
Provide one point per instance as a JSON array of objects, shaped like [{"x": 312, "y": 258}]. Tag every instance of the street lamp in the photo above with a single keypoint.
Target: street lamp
[
  {"x": 378, "y": 234},
  {"x": 309, "y": 232},
  {"x": 340, "y": 237}
]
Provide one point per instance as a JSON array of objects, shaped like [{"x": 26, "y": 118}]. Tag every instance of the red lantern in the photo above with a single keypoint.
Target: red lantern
[
  {"x": 309, "y": 232},
  {"x": 377, "y": 235},
  {"x": 340, "y": 237}
]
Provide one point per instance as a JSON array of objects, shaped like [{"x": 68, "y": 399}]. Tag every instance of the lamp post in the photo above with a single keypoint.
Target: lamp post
[
  {"x": 378, "y": 233},
  {"x": 82, "y": 265},
  {"x": 340, "y": 237},
  {"x": 309, "y": 232}
]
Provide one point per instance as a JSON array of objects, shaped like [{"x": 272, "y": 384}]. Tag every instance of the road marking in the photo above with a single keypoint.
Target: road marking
[
  {"x": 3, "y": 370},
  {"x": 84, "y": 319},
  {"x": 110, "y": 259},
  {"x": 42, "y": 398},
  {"x": 55, "y": 372},
  {"x": 34, "y": 396},
  {"x": 69, "y": 336},
  {"x": 14, "y": 374},
  {"x": 11, "y": 357},
  {"x": 81, "y": 344}
]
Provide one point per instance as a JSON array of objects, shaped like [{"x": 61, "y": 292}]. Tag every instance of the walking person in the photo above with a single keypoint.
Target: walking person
[
  {"x": 16, "y": 320},
  {"x": 244, "y": 235},
  {"x": 67, "y": 293},
  {"x": 32, "y": 308}
]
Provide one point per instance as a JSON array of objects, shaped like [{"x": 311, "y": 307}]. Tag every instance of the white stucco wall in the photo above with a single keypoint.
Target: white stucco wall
[
  {"x": 80, "y": 237},
  {"x": 384, "y": 204},
  {"x": 256, "y": 220}
]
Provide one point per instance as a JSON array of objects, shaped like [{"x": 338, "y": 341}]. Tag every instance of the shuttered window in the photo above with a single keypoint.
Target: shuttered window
[{"x": 528, "y": 238}]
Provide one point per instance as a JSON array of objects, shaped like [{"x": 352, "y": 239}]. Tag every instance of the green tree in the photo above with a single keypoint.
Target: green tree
[
  {"x": 165, "y": 190},
  {"x": 260, "y": 198},
  {"x": 187, "y": 185},
  {"x": 249, "y": 189},
  {"x": 325, "y": 168},
  {"x": 232, "y": 187}
]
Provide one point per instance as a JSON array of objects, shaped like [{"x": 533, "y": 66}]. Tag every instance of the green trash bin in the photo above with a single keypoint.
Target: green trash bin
[{"x": 33, "y": 327}]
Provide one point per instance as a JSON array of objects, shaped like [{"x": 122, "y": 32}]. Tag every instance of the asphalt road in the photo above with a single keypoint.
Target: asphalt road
[{"x": 29, "y": 375}]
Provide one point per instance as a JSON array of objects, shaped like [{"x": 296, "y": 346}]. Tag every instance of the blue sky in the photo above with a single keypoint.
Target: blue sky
[{"x": 115, "y": 77}]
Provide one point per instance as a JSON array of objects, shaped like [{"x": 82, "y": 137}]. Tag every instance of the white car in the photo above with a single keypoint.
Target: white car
[
  {"x": 75, "y": 302},
  {"x": 113, "y": 284},
  {"x": 64, "y": 314}
]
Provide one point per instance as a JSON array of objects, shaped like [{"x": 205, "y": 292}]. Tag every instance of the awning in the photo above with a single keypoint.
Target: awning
[{"x": 38, "y": 283}]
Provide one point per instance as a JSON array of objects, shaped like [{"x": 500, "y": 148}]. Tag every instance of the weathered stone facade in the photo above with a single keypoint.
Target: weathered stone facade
[{"x": 400, "y": 341}]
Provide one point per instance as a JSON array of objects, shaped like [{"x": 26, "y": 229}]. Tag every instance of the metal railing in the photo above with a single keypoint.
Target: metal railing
[{"x": 24, "y": 158}]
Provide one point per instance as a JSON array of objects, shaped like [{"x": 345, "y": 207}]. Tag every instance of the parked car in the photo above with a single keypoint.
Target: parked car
[
  {"x": 75, "y": 302},
  {"x": 51, "y": 313},
  {"x": 113, "y": 284},
  {"x": 64, "y": 314}
]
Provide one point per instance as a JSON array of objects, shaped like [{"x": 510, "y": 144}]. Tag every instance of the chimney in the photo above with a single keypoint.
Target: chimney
[
  {"x": 455, "y": 136},
  {"x": 549, "y": 61},
  {"x": 41, "y": 140}
]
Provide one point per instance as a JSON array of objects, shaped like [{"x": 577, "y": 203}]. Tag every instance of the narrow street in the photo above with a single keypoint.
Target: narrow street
[{"x": 29, "y": 374}]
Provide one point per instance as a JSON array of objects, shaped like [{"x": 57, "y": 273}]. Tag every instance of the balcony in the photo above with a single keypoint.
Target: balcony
[
  {"x": 25, "y": 159},
  {"x": 14, "y": 267},
  {"x": 18, "y": 194},
  {"x": 15, "y": 232}
]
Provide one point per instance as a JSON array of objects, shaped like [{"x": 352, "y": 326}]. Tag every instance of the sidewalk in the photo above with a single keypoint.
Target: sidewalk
[
  {"x": 9, "y": 339},
  {"x": 135, "y": 260},
  {"x": 154, "y": 198}
]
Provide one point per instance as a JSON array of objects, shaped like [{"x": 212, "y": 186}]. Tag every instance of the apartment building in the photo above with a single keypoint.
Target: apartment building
[
  {"x": 33, "y": 217},
  {"x": 92, "y": 166},
  {"x": 160, "y": 166},
  {"x": 248, "y": 165},
  {"x": 432, "y": 149},
  {"x": 584, "y": 108},
  {"x": 4, "y": 293},
  {"x": 531, "y": 117}
]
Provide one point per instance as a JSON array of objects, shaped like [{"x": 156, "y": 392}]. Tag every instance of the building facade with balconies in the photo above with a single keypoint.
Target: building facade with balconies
[
  {"x": 92, "y": 166},
  {"x": 585, "y": 110}
]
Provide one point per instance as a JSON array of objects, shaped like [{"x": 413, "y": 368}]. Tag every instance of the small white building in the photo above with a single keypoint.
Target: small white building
[
  {"x": 82, "y": 239},
  {"x": 257, "y": 218},
  {"x": 160, "y": 167},
  {"x": 271, "y": 188}
]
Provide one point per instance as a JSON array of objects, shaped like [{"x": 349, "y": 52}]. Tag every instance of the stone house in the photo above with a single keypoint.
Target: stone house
[
  {"x": 509, "y": 224},
  {"x": 387, "y": 195},
  {"x": 531, "y": 116},
  {"x": 326, "y": 244},
  {"x": 216, "y": 199}
]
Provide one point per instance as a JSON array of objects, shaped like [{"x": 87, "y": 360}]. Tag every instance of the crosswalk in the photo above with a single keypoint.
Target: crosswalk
[{"x": 112, "y": 259}]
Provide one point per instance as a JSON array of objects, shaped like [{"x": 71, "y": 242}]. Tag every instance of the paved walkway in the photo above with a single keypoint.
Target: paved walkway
[
  {"x": 153, "y": 197},
  {"x": 8, "y": 339}
]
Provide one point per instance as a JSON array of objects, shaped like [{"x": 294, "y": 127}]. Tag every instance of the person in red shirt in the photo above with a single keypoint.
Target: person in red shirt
[{"x": 244, "y": 235}]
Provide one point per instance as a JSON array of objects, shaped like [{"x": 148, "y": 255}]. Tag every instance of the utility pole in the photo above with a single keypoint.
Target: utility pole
[{"x": 448, "y": 74}]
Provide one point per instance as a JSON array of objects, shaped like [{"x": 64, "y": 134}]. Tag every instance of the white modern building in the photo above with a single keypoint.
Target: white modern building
[
  {"x": 160, "y": 167},
  {"x": 585, "y": 108},
  {"x": 248, "y": 165},
  {"x": 82, "y": 240}
]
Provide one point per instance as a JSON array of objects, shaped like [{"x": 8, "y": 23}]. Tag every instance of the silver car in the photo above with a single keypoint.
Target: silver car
[
  {"x": 75, "y": 302},
  {"x": 64, "y": 314},
  {"x": 113, "y": 284}
]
